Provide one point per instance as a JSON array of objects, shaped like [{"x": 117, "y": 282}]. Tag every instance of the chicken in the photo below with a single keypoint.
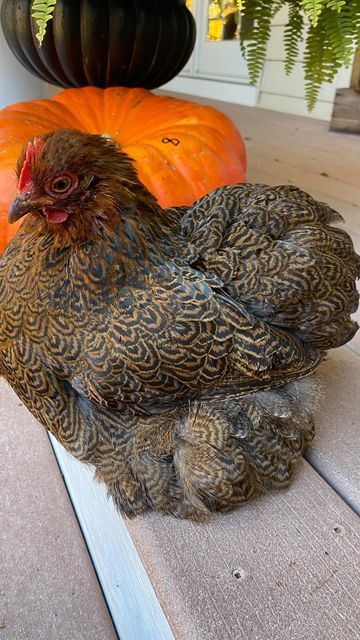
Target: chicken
[{"x": 173, "y": 349}]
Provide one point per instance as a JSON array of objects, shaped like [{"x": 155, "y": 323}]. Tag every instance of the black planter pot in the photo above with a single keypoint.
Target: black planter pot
[{"x": 133, "y": 43}]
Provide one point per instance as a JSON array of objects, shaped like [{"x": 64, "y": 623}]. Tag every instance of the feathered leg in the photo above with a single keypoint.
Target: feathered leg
[{"x": 217, "y": 454}]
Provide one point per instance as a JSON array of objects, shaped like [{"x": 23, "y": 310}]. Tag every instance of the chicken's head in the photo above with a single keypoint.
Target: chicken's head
[{"x": 73, "y": 181}]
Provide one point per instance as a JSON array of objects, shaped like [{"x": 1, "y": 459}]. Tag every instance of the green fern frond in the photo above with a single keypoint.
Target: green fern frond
[
  {"x": 330, "y": 41},
  {"x": 336, "y": 5},
  {"x": 42, "y": 12},
  {"x": 313, "y": 9},
  {"x": 293, "y": 35},
  {"x": 354, "y": 15},
  {"x": 254, "y": 41},
  {"x": 329, "y": 45},
  {"x": 317, "y": 65},
  {"x": 338, "y": 27}
]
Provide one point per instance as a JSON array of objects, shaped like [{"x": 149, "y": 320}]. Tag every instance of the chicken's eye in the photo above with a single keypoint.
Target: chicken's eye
[{"x": 61, "y": 184}]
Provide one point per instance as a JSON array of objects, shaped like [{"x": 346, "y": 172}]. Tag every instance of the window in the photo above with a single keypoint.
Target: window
[{"x": 223, "y": 20}]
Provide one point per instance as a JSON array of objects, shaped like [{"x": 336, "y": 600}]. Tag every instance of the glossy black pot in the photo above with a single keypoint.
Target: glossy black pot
[{"x": 133, "y": 43}]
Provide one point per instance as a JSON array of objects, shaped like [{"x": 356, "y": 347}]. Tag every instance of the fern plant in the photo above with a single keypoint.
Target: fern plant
[
  {"x": 330, "y": 40},
  {"x": 42, "y": 12}
]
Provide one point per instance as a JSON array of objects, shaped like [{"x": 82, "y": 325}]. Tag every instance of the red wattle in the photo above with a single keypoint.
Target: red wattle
[{"x": 56, "y": 216}]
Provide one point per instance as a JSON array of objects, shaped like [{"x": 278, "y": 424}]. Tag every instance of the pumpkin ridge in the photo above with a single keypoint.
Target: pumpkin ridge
[
  {"x": 122, "y": 100},
  {"x": 136, "y": 101},
  {"x": 216, "y": 152},
  {"x": 193, "y": 123},
  {"x": 43, "y": 104},
  {"x": 163, "y": 157}
]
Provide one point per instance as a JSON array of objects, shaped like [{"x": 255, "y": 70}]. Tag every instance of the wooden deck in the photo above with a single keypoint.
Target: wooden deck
[{"x": 284, "y": 567}]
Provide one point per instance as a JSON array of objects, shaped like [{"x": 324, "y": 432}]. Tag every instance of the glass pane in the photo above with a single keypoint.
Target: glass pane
[{"x": 223, "y": 20}]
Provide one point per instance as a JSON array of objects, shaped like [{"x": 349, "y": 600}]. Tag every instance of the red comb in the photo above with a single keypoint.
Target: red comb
[{"x": 33, "y": 148}]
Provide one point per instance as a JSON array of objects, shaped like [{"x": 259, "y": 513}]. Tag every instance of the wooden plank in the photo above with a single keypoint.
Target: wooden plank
[
  {"x": 283, "y": 567},
  {"x": 48, "y": 586},
  {"x": 130, "y": 597},
  {"x": 298, "y": 570},
  {"x": 320, "y": 164},
  {"x": 336, "y": 451},
  {"x": 346, "y": 112},
  {"x": 295, "y": 551},
  {"x": 282, "y": 169}
]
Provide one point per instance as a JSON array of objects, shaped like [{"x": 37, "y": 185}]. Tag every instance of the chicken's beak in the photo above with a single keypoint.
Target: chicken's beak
[{"x": 20, "y": 208}]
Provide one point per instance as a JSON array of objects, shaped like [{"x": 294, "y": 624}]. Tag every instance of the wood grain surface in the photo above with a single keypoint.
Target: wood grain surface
[
  {"x": 48, "y": 586},
  {"x": 296, "y": 555},
  {"x": 335, "y": 453}
]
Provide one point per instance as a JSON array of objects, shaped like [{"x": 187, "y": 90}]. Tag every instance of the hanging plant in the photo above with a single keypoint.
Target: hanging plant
[{"x": 330, "y": 41}]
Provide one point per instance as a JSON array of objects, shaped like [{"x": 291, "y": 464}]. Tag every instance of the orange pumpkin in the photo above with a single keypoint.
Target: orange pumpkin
[{"x": 182, "y": 150}]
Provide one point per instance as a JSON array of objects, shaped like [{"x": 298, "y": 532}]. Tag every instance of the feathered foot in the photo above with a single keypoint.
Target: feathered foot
[
  {"x": 232, "y": 451},
  {"x": 215, "y": 455}
]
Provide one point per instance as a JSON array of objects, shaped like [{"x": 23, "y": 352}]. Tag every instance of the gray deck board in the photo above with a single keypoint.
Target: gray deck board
[
  {"x": 299, "y": 549},
  {"x": 48, "y": 587},
  {"x": 301, "y": 577},
  {"x": 130, "y": 597},
  {"x": 336, "y": 450}
]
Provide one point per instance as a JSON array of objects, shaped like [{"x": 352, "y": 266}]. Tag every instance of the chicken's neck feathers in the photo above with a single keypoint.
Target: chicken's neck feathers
[{"x": 125, "y": 252}]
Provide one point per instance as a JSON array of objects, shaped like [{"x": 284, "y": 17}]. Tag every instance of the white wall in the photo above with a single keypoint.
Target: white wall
[{"x": 16, "y": 83}]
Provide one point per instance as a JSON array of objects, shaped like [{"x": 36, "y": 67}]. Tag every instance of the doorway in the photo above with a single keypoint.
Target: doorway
[
  {"x": 217, "y": 68},
  {"x": 217, "y": 52}
]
